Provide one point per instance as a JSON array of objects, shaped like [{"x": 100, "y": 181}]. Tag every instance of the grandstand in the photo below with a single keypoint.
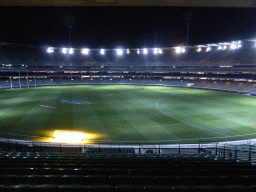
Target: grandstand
[{"x": 213, "y": 165}]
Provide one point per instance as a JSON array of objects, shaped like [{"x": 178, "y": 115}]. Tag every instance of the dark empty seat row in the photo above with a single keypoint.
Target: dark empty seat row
[{"x": 139, "y": 180}]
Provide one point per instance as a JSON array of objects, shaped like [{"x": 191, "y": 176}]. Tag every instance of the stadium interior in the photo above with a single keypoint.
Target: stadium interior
[
  {"x": 31, "y": 166},
  {"x": 27, "y": 165}
]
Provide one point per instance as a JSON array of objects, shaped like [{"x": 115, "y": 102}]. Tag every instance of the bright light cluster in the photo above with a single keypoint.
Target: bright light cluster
[
  {"x": 119, "y": 52},
  {"x": 235, "y": 45},
  {"x": 71, "y": 51},
  {"x": 65, "y": 50},
  {"x": 208, "y": 49},
  {"x": 157, "y": 50},
  {"x": 221, "y": 46},
  {"x": 180, "y": 50},
  {"x": 62, "y": 136},
  {"x": 85, "y": 51},
  {"x": 50, "y": 50}
]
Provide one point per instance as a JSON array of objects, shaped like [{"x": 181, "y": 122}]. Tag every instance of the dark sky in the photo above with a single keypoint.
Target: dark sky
[{"x": 127, "y": 27}]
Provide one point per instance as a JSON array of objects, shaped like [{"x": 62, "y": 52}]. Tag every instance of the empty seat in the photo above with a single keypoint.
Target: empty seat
[
  {"x": 95, "y": 179},
  {"x": 119, "y": 179},
  {"x": 71, "y": 188},
  {"x": 42, "y": 188},
  {"x": 142, "y": 180},
  {"x": 155, "y": 187},
  {"x": 8, "y": 180},
  {"x": 73, "y": 179}
]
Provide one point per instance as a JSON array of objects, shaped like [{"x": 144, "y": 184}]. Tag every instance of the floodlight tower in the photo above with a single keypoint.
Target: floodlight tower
[
  {"x": 188, "y": 17},
  {"x": 187, "y": 32}
]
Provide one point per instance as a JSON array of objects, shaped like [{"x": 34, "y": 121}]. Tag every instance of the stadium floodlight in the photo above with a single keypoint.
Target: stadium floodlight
[
  {"x": 160, "y": 51},
  {"x": 233, "y": 46},
  {"x": 145, "y": 51},
  {"x": 199, "y": 49},
  {"x": 50, "y": 50},
  {"x": 128, "y": 51},
  {"x": 178, "y": 50},
  {"x": 219, "y": 47},
  {"x": 208, "y": 49},
  {"x": 224, "y": 47},
  {"x": 119, "y": 52},
  {"x": 71, "y": 51},
  {"x": 138, "y": 51},
  {"x": 85, "y": 51},
  {"x": 155, "y": 50},
  {"x": 102, "y": 51},
  {"x": 64, "y": 50},
  {"x": 239, "y": 46}
]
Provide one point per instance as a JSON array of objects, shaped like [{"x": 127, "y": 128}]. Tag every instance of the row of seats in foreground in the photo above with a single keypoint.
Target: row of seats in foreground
[{"x": 56, "y": 171}]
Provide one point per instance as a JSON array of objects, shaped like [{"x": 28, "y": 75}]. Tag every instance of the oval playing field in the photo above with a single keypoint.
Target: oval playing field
[{"x": 127, "y": 114}]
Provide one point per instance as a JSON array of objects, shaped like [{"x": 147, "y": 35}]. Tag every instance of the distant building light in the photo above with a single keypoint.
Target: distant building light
[
  {"x": 85, "y": 51},
  {"x": 145, "y": 51},
  {"x": 102, "y": 51},
  {"x": 50, "y": 50}
]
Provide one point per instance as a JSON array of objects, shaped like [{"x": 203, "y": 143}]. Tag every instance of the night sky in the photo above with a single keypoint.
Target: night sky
[{"x": 125, "y": 27}]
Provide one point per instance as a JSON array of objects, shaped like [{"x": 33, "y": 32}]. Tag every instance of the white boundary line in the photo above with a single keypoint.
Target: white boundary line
[{"x": 165, "y": 113}]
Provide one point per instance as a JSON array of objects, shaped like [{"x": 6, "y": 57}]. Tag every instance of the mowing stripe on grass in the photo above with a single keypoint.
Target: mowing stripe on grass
[{"x": 167, "y": 114}]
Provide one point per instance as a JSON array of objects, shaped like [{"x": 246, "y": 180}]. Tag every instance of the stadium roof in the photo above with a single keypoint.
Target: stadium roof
[{"x": 189, "y": 3}]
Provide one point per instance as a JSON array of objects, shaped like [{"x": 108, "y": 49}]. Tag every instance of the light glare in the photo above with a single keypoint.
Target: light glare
[
  {"x": 119, "y": 52},
  {"x": 102, "y": 51},
  {"x": 64, "y": 50},
  {"x": 208, "y": 49},
  {"x": 50, "y": 50},
  {"x": 62, "y": 136},
  {"x": 71, "y": 51},
  {"x": 145, "y": 51},
  {"x": 233, "y": 46},
  {"x": 85, "y": 51}
]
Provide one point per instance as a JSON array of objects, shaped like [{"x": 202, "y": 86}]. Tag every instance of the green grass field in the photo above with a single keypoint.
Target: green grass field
[{"x": 130, "y": 114}]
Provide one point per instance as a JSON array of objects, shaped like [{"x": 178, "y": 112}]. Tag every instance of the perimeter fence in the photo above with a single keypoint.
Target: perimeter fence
[{"x": 243, "y": 150}]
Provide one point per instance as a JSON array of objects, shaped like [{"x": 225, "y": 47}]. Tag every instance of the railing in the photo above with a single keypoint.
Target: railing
[{"x": 244, "y": 150}]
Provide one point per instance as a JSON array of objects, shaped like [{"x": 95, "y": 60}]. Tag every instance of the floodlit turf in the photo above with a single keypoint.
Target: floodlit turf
[{"x": 125, "y": 113}]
